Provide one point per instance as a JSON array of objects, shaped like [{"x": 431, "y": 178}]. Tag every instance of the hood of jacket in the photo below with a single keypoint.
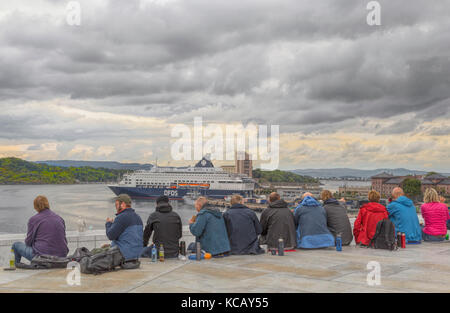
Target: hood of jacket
[
  {"x": 331, "y": 201},
  {"x": 374, "y": 207},
  {"x": 238, "y": 206},
  {"x": 278, "y": 204},
  {"x": 163, "y": 207},
  {"x": 404, "y": 201},
  {"x": 309, "y": 201},
  {"x": 210, "y": 209}
]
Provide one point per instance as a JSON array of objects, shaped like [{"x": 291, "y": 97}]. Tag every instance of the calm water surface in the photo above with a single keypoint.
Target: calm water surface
[{"x": 93, "y": 202}]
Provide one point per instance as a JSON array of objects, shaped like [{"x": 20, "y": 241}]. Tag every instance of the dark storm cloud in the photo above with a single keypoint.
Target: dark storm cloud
[{"x": 310, "y": 66}]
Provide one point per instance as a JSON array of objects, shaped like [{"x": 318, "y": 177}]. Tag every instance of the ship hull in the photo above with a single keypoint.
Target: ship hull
[{"x": 174, "y": 194}]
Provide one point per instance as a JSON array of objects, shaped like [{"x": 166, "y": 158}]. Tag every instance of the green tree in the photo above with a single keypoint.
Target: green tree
[{"x": 412, "y": 187}]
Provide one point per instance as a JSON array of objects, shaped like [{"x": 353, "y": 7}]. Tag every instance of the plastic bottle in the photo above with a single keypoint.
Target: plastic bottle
[
  {"x": 280, "y": 247},
  {"x": 403, "y": 241},
  {"x": 339, "y": 242},
  {"x": 12, "y": 260},
  {"x": 161, "y": 253},
  {"x": 204, "y": 256},
  {"x": 154, "y": 253},
  {"x": 198, "y": 252},
  {"x": 446, "y": 237}
]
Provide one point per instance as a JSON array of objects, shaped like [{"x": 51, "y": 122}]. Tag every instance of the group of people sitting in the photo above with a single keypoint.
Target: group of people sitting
[{"x": 312, "y": 224}]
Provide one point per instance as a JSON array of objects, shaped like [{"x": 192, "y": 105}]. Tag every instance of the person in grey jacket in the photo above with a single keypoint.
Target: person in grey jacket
[
  {"x": 337, "y": 218},
  {"x": 277, "y": 221}
]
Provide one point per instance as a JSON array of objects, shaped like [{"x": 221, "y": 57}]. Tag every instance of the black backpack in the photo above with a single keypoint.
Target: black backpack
[{"x": 384, "y": 237}]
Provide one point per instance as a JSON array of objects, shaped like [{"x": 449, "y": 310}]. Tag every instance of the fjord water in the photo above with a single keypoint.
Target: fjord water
[{"x": 94, "y": 202}]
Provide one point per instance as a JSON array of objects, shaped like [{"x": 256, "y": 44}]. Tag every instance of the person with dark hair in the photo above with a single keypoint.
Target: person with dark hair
[
  {"x": 277, "y": 222},
  {"x": 126, "y": 230},
  {"x": 46, "y": 234},
  {"x": 337, "y": 218},
  {"x": 166, "y": 226},
  {"x": 243, "y": 228},
  {"x": 368, "y": 217}
]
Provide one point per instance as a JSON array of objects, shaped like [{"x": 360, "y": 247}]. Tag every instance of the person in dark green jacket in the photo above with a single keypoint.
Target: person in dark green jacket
[{"x": 209, "y": 228}]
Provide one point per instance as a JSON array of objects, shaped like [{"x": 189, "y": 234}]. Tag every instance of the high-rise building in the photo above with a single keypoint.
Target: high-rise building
[{"x": 244, "y": 164}]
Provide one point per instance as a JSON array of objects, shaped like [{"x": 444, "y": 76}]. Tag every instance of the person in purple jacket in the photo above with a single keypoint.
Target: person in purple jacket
[{"x": 46, "y": 234}]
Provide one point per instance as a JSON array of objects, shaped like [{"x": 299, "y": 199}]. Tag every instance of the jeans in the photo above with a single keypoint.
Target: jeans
[
  {"x": 448, "y": 224},
  {"x": 22, "y": 250}
]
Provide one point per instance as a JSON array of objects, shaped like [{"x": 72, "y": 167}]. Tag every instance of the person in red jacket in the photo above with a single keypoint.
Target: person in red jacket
[{"x": 368, "y": 217}]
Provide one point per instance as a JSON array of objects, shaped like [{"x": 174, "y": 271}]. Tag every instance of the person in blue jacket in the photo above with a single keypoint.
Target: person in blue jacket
[
  {"x": 209, "y": 228},
  {"x": 403, "y": 214},
  {"x": 311, "y": 224},
  {"x": 126, "y": 231}
]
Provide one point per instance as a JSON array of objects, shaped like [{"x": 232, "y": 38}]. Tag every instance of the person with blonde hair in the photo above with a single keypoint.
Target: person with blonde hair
[
  {"x": 243, "y": 228},
  {"x": 368, "y": 217},
  {"x": 435, "y": 215},
  {"x": 402, "y": 212},
  {"x": 46, "y": 234},
  {"x": 337, "y": 218}
]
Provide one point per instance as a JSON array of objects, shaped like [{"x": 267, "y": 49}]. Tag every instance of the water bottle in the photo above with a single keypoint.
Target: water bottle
[
  {"x": 280, "y": 247},
  {"x": 183, "y": 248},
  {"x": 161, "y": 253},
  {"x": 12, "y": 260},
  {"x": 198, "y": 252},
  {"x": 339, "y": 242},
  {"x": 154, "y": 253}
]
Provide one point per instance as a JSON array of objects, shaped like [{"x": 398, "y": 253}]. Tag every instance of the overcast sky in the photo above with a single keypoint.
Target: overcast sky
[{"x": 344, "y": 93}]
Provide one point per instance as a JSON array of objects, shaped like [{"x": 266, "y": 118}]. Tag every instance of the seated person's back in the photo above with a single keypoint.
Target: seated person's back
[
  {"x": 402, "y": 213},
  {"x": 337, "y": 218},
  {"x": 47, "y": 233},
  {"x": 166, "y": 226},
  {"x": 243, "y": 228},
  {"x": 368, "y": 217},
  {"x": 277, "y": 221},
  {"x": 209, "y": 228},
  {"x": 311, "y": 225},
  {"x": 435, "y": 215},
  {"x": 126, "y": 231}
]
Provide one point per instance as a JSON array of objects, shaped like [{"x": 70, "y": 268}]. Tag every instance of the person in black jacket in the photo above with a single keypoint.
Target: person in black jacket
[
  {"x": 243, "y": 228},
  {"x": 337, "y": 218},
  {"x": 166, "y": 226},
  {"x": 277, "y": 221}
]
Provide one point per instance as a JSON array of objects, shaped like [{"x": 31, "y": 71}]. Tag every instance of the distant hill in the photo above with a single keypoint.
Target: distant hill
[
  {"x": 350, "y": 172},
  {"x": 278, "y": 176},
  {"x": 17, "y": 171},
  {"x": 99, "y": 164}
]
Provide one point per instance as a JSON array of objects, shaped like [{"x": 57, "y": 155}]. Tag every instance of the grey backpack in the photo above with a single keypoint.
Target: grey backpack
[{"x": 106, "y": 261}]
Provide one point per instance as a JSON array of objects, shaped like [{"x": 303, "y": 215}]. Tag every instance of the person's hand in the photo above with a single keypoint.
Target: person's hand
[
  {"x": 106, "y": 245},
  {"x": 109, "y": 220},
  {"x": 192, "y": 220}
]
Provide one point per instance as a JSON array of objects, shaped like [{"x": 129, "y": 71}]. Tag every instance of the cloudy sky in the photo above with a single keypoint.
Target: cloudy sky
[{"x": 344, "y": 93}]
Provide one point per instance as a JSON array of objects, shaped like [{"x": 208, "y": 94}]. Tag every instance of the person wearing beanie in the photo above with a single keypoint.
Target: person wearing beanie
[{"x": 166, "y": 227}]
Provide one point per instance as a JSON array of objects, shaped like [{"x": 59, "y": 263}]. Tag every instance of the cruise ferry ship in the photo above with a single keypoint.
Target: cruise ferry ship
[{"x": 178, "y": 182}]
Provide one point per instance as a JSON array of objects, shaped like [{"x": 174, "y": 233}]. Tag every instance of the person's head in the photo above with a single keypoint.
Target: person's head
[
  {"x": 41, "y": 203},
  {"x": 123, "y": 201},
  {"x": 326, "y": 195},
  {"x": 442, "y": 199},
  {"x": 162, "y": 199},
  {"x": 200, "y": 203},
  {"x": 306, "y": 194},
  {"x": 430, "y": 195},
  {"x": 397, "y": 192},
  {"x": 374, "y": 196},
  {"x": 274, "y": 197},
  {"x": 235, "y": 199}
]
